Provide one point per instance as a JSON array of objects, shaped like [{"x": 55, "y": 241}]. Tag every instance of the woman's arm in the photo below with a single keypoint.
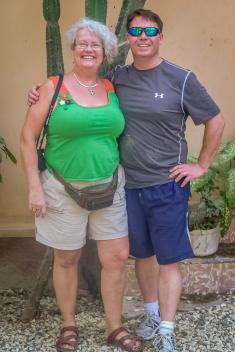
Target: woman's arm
[{"x": 33, "y": 125}]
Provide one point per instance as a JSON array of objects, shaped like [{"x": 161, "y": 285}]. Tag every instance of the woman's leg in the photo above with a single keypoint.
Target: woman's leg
[
  {"x": 113, "y": 255},
  {"x": 65, "y": 272}
]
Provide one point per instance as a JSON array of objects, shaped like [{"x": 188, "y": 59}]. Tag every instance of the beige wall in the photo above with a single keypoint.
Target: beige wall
[{"x": 195, "y": 37}]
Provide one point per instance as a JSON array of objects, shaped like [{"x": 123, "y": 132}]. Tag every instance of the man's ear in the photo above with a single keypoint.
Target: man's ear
[{"x": 161, "y": 38}]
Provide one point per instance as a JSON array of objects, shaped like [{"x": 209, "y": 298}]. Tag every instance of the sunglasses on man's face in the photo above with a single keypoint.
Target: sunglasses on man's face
[{"x": 149, "y": 31}]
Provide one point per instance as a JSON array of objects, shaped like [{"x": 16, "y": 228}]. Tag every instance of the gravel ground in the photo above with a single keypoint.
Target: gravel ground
[{"x": 200, "y": 329}]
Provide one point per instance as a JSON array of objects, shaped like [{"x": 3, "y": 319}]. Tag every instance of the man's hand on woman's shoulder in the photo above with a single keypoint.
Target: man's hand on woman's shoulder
[{"x": 33, "y": 94}]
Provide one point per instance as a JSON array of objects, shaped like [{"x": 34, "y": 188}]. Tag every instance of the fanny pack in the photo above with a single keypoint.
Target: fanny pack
[{"x": 91, "y": 197}]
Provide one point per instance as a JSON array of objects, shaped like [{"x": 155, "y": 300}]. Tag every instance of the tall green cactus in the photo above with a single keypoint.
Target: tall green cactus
[
  {"x": 96, "y": 9},
  {"x": 51, "y": 13}
]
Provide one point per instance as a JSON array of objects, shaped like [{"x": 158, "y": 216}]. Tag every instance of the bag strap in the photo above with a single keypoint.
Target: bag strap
[
  {"x": 52, "y": 104},
  {"x": 90, "y": 189}
]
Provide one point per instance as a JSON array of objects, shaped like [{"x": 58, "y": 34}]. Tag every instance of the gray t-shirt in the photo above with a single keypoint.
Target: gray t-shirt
[{"x": 156, "y": 104}]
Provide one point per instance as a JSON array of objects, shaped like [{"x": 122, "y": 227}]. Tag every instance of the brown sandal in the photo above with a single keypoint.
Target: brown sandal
[
  {"x": 128, "y": 342},
  {"x": 71, "y": 340}
]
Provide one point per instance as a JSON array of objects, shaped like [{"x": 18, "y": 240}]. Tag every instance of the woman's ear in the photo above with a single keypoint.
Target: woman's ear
[
  {"x": 127, "y": 38},
  {"x": 104, "y": 62}
]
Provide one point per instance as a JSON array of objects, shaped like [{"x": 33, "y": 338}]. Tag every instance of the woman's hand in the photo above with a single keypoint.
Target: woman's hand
[
  {"x": 33, "y": 95},
  {"x": 37, "y": 203}
]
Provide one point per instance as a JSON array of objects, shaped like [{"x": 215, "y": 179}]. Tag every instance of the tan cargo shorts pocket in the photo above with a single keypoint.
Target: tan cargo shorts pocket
[{"x": 53, "y": 192}]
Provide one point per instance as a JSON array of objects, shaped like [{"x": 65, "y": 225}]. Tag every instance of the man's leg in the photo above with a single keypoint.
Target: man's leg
[
  {"x": 141, "y": 246},
  {"x": 147, "y": 276},
  {"x": 146, "y": 270},
  {"x": 145, "y": 264},
  {"x": 170, "y": 285},
  {"x": 169, "y": 234}
]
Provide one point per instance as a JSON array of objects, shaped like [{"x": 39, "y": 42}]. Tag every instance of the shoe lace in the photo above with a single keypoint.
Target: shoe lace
[
  {"x": 165, "y": 342},
  {"x": 151, "y": 321}
]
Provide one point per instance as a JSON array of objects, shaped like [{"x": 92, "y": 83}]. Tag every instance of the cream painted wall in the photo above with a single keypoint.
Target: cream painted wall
[{"x": 198, "y": 35}]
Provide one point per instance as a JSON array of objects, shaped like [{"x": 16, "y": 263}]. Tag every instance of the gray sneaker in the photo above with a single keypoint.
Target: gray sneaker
[
  {"x": 148, "y": 327},
  {"x": 165, "y": 343}
]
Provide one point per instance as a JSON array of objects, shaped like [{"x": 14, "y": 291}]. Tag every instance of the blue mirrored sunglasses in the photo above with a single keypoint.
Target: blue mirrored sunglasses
[{"x": 149, "y": 31}]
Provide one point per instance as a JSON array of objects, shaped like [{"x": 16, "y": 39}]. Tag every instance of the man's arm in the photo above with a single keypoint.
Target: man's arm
[{"x": 211, "y": 141}]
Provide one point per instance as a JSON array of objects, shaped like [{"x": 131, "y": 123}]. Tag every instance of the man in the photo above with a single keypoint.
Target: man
[{"x": 156, "y": 97}]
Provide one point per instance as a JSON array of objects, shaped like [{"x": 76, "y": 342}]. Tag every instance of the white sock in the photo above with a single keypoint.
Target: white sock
[
  {"x": 152, "y": 308},
  {"x": 166, "y": 327}
]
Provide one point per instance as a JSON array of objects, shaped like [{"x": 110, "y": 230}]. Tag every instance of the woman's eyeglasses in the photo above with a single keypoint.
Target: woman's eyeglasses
[
  {"x": 85, "y": 45},
  {"x": 149, "y": 31}
]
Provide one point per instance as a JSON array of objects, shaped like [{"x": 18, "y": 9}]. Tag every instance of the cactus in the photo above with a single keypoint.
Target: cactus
[
  {"x": 51, "y": 13},
  {"x": 96, "y": 9}
]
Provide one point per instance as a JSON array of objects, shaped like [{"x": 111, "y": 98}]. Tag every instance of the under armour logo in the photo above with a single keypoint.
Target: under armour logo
[{"x": 161, "y": 95}]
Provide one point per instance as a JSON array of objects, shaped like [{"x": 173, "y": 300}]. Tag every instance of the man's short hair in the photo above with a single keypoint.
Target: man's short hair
[{"x": 147, "y": 15}]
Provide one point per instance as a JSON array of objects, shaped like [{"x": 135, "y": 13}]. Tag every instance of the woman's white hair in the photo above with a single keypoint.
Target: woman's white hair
[{"x": 108, "y": 38}]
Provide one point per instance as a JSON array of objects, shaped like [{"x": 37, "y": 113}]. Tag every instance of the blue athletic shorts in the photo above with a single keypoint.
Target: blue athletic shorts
[{"x": 158, "y": 222}]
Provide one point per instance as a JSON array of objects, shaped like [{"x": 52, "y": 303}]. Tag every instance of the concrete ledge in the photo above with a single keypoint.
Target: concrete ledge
[
  {"x": 20, "y": 259},
  {"x": 214, "y": 274},
  {"x": 17, "y": 227}
]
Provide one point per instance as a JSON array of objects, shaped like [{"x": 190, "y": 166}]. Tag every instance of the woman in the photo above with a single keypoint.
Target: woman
[{"x": 82, "y": 148}]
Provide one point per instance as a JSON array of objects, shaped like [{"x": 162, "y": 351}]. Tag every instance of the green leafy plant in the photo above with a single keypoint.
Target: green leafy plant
[
  {"x": 5, "y": 151},
  {"x": 215, "y": 192}
]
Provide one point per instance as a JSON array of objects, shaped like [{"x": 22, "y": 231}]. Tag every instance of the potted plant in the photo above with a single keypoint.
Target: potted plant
[
  {"x": 6, "y": 151},
  {"x": 213, "y": 200}
]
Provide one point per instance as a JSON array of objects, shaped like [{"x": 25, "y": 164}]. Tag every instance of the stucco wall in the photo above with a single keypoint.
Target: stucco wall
[{"x": 198, "y": 35}]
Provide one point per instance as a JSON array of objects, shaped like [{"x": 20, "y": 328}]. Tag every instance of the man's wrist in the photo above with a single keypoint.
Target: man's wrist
[{"x": 203, "y": 166}]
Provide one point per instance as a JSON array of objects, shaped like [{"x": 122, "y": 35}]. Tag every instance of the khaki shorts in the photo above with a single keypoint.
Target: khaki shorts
[{"x": 66, "y": 224}]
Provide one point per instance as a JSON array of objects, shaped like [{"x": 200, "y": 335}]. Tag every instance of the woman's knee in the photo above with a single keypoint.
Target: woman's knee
[
  {"x": 115, "y": 260},
  {"x": 66, "y": 259}
]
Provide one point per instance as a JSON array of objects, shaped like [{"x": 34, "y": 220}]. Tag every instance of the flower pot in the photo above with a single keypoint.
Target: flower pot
[{"x": 205, "y": 242}]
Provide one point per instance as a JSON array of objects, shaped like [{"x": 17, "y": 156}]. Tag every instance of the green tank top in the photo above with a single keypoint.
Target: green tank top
[{"x": 82, "y": 141}]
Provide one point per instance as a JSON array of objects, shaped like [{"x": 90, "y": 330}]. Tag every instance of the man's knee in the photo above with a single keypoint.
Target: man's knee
[{"x": 168, "y": 268}]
